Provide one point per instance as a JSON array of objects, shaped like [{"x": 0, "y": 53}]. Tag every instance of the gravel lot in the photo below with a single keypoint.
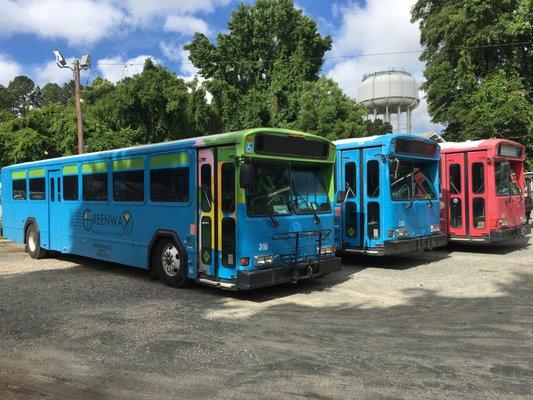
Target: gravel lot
[{"x": 455, "y": 323}]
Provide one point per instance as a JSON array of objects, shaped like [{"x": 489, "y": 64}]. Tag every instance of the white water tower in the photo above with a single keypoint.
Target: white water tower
[{"x": 388, "y": 93}]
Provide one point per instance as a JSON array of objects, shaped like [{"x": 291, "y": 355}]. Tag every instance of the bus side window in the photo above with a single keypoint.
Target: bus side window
[
  {"x": 70, "y": 187},
  {"x": 228, "y": 242},
  {"x": 95, "y": 178},
  {"x": 58, "y": 188},
  {"x": 455, "y": 179},
  {"x": 350, "y": 179},
  {"x": 169, "y": 185},
  {"x": 228, "y": 187},
  {"x": 456, "y": 220},
  {"x": 478, "y": 205},
  {"x": 372, "y": 178},
  {"x": 205, "y": 194},
  {"x": 19, "y": 189},
  {"x": 373, "y": 220},
  {"x": 52, "y": 190},
  {"x": 478, "y": 178},
  {"x": 37, "y": 188},
  {"x": 351, "y": 219}
]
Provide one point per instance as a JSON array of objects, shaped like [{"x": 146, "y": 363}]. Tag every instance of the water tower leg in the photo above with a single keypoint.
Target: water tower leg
[
  {"x": 409, "y": 127},
  {"x": 399, "y": 113}
]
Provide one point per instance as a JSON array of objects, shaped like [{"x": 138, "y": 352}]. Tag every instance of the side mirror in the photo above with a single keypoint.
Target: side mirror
[
  {"x": 246, "y": 177},
  {"x": 341, "y": 196}
]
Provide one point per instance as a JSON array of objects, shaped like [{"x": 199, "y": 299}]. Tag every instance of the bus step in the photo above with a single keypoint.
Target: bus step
[{"x": 222, "y": 285}]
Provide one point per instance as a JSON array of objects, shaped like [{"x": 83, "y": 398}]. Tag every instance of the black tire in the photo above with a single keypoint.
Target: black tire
[
  {"x": 170, "y": 261},
  {"x": 33, "y": 243}
]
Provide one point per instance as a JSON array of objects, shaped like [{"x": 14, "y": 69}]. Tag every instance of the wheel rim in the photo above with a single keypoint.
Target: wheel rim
[
  {"x": 32, "y": 241},
  {"x": 170, "y": 259}
]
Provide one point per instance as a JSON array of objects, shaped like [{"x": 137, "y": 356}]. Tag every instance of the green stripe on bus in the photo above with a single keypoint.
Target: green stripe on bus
[
  {"x": 94, "y": 168},
  {"x": 18, "y": 175},
  {"x": 128, "y": 165},
  {"x": 70, "y": 170},
  {"x": 37, "y": 173},
  {"x": 180, "y": 159}
]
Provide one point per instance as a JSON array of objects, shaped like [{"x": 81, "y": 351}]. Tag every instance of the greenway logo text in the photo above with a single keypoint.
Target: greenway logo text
[{"x": 123, "y": 222}]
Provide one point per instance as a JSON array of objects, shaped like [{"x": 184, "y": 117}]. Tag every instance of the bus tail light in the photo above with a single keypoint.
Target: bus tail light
[
  {"x": 327, "y": 250},
  {"x": 402, "y": 233},
  {"x": 435, "y": 228},
  {"x": 245, "y": 261}
]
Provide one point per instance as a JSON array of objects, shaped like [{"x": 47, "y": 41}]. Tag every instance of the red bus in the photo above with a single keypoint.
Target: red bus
[{"x": 482, "y": 183}]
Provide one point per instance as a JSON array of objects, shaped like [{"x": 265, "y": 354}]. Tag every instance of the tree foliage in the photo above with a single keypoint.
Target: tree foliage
[
  {"x": 478, "y": 67},
  {"x": 265, "y": 71}
]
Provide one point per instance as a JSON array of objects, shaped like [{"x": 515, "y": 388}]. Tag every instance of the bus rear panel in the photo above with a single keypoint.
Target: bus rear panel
[
  {"x": 482, "y": 189},
  {"x": 391, "y": 204}
]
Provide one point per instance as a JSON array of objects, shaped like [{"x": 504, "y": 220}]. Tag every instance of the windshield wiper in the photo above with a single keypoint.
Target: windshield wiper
[
  {"x": 316, "y": 220},
  {"x": 275, "y": 222}
]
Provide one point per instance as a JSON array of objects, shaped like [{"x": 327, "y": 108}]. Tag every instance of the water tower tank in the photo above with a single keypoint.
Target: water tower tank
[{"x": 390, "y": 92}]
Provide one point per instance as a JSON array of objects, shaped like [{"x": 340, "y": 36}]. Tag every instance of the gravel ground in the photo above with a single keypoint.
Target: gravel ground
[{"x": 455, "y": 323}]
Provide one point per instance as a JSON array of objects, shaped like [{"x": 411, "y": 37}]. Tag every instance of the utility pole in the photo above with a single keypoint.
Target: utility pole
[
  {"x": 77, "y": 66},
  {"x": 76, "y": 71}
]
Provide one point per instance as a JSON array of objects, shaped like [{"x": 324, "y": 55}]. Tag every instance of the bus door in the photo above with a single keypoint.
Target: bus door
[
  {"x": 226, "y": 205},
  {"x": 477, "y": 193},
  {"x": 455, "y": 201},
  {"x": 372, "y": 175},
  {"x": 206, "y": 212},
  {"x": 351, "y": 221},
  {"x": 54, "y": 209}
]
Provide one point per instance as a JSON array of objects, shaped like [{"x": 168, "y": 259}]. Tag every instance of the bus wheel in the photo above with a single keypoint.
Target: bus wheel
[
  {"x": 169, "y": 260},
  {"x": 33, "y": 243}
]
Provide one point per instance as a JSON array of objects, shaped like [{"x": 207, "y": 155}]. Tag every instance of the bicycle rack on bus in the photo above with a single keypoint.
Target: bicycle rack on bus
[{"x": 292, "y": 258}]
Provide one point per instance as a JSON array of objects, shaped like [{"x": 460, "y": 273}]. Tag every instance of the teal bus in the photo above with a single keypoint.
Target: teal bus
[{"x": 238, "y": 210}]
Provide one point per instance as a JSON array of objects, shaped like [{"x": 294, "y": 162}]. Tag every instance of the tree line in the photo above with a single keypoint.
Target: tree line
[{"x": 266, "y": 71}]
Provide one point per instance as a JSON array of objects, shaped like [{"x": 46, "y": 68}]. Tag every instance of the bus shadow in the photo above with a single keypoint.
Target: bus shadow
[
  {"x": 507, "y": 247},
  {"x": 256, "y": 295},
  {"x": 399, "y": 263}
]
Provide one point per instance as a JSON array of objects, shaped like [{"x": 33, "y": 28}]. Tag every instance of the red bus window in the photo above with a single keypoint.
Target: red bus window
[
  {"x": 456, "y": 215},
  {"x": 478, "y": 178},
  {"x": 478, "y": 212},
  {"x": 455, "y": 179}
]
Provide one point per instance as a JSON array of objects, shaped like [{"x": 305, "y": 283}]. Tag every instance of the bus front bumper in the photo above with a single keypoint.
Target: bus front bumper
[
  {"x": 509, "y": 233},
  {"x": 247, "y": 280},
  {"x": 414, "y": 245}
]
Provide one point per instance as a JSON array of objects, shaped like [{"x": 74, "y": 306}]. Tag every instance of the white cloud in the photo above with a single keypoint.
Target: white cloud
[
  {"x": 8, "y": 69},
  {"x": 117, "y": 68},
  {"x": 380, "y": 26},
  {"x": 49, "y": 72},
  {"x": 185, "y": 24},
  {"x": 176, "y": 53},
  {"x": 83, "y": 22},
  {"x": 78, "y": 21}
]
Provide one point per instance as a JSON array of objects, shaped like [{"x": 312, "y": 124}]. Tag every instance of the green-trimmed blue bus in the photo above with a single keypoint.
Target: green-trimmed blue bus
[
  {"x": 389, "y": 187},
  {"x": 239, "y": 210}
]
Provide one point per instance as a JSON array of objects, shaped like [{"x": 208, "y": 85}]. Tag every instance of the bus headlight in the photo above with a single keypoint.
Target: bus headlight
[
  {"x": 435, "y": 228},
  {"x": 327, "y": 250},
  {"x": 400, "y": 233},
  {"x": 503, "y": 222},
  {"x": 523, "y": 220},
  {"x": 261, "y": 261}
]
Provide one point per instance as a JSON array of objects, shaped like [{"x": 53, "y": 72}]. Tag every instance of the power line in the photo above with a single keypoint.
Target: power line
[{"x": 389, "y": 53}]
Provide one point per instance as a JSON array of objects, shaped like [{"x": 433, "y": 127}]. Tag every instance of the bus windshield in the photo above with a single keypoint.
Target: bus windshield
[
  {"x": 279, "y": 189},
  {"x": 409, "y": 181},
  {"x": 506, "y": 180}
]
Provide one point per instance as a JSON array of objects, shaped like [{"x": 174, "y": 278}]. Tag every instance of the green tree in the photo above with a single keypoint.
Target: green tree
[
  {"x": 478, "y": 67},
  {"x": 52, "y": 93},
  {"x": 23, "y": 95}
]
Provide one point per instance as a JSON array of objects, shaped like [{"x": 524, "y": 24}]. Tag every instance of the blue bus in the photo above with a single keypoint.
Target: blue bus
[
  {"x": 239, "y": 210},
  {"x": 388, "y": 187}
]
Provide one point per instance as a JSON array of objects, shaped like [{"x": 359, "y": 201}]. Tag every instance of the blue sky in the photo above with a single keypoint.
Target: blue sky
[{"x": 120, "y": 34}]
